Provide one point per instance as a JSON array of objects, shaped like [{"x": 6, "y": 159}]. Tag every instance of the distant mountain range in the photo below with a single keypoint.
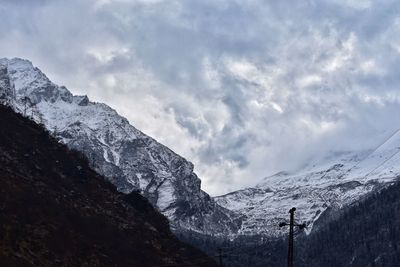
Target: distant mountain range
[
  {"x": 133, "y": 161},
  {"x": 333, "y": 182}
]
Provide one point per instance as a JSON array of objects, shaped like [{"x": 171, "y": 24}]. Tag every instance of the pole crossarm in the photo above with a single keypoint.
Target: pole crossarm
[{"x": 291, "y": 225}]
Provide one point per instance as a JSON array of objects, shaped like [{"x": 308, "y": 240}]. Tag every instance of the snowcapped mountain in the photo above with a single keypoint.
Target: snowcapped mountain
[
  {"x": 130, "y": 159},
  {"x": 333, "y": 182}
]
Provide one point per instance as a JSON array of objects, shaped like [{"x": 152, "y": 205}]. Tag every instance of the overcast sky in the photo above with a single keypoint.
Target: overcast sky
[{"x": 242, "y": 88}]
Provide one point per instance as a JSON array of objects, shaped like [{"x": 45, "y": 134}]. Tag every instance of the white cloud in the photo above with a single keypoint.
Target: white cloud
[
  {"x": 241, "y": 88},
  {"x": 308, "y": 80}
]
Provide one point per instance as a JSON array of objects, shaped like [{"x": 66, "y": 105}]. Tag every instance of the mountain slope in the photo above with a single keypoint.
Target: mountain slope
[
  {"x": 333, "y": 182},
  {"x": 56, "y": 211},
  {"x": 128, "y": 158},
  {"x": 366, "y": 234},
  {"x": 363, "y": 234}
]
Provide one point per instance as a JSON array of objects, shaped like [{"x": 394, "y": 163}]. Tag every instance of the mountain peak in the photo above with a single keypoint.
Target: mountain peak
[
  {"x": 127, "y": 157},
  {"x": 17, "y": 62},
  {"x": 332, "y": 182}
]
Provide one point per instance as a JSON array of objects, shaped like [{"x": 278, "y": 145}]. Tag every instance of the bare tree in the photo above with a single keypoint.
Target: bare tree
[{"x": 27, "y": 103}]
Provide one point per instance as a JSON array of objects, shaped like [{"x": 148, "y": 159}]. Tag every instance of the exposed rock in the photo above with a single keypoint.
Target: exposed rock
[{"x": 127, "y": 157}]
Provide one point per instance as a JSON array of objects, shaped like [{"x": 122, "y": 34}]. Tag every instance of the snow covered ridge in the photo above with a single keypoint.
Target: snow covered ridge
[
  {"x": 130, "y": 159},
  {"x": 333, "y": 183}
]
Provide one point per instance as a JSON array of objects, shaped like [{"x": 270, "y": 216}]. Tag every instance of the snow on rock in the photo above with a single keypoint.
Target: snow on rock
[
  {"x": 132, "y": 160},
  {"x": 6, "y": 92},
  {"x": 127, "y": 157},
  {"x": 333, "y": 182}
]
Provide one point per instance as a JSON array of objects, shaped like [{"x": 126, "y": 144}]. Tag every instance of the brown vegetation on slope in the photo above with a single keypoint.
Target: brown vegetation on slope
[{"x": 56, "y": 211}]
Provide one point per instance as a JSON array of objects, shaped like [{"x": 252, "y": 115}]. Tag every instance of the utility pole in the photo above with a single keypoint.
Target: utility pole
[
  {"x": 220, "y": 257},
  {"x": 291, "y": 225}
]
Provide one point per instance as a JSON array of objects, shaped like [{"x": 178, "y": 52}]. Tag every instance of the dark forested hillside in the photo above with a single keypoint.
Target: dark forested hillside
[
  {"x": 366, "y": 234},
  {"x": 56, "y": 211}
]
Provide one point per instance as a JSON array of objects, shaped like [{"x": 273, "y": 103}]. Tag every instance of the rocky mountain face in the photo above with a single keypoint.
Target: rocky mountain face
[
  {"x": 56, "y": 211},
  {"x": 325, "y": 185},
  {"x": 134, "y": 161},
  {"x": 128, "y": 158},
  {"x": 7, "y": 92}
]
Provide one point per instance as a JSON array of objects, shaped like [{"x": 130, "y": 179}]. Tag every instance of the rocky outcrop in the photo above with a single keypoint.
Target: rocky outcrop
[{"x": 128, "y": 158}]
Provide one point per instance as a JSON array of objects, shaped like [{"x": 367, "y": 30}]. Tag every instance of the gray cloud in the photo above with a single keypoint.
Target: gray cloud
[{"x": 241, "y": 88}]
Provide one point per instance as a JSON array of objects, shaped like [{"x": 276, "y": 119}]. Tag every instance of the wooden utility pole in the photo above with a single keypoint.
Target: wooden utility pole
[
  {"x": 291, "y": 225},
  {"x": 220, "y": 257}
]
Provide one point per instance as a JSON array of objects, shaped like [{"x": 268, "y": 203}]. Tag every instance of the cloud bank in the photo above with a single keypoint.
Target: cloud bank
[{"x": 243, "y": 89}]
